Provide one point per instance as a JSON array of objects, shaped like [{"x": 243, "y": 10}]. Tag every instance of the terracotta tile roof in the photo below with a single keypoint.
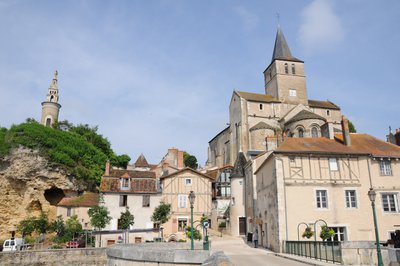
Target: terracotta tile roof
[
  {"x": 323, "y": 104},
  {"x": 361, "y": 144},
  {"x": 256, "y": 97},
  {"x": 303, "y": 115},
  {"x": 141, "y": 161},
  {"x": 111, "y": 184},
  {"x": 131, "y": 174},
  {"x": 87, "y": 199}
]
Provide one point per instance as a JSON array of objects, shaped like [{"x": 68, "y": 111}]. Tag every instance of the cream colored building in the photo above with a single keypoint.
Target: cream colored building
[
  {"x": 308, "y": 179},
  {"x": 136, "y": 190},
  {"x": 79, "y": 206},
  {"x": 176, "y": 188}
]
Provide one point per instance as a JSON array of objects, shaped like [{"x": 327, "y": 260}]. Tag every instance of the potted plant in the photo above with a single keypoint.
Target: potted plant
[
  {"x": 326, "y": 232},
  {"x": 308, "y": 233}
]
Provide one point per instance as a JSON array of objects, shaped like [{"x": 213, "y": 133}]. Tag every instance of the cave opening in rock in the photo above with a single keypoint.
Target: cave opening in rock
[{"x": 54, "y": 195}]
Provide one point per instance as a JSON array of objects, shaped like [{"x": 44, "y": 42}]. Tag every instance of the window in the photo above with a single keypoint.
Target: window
[
  {"x": 182, "y": 223},
  {"x": 123, "y": 200},
  {"x": 182, "y": 201},
  {"x": 314, "y": 132},
  {"x": 328, "y": 112},
  {"x": 125, "y": 183},
  {"x": 351, "y": 200},
  {"x": 385, "y": 168},
  {"x": 340, "y": 234},
  {"x": 68, "y": 212},
  {"x": 48, "y": 122},
  {"x": 261, "y": 106},
  {"x": 286, "y": 68},
  {"x": 389, "y": 202},
  {"x": 188, "y": 181},
  {"x": 146, "y": 201},
  {"x": 292, "y": 159},
  {"x": 333, "y": 166},
  {"x": 301, "y": 133},
  {"x": 119, "y": 225},
  {"x": 322, "y": 199},
  {"x": 293, "y": 69},
  {"x": 225, "y": 191},
  {"x": 292, "y": 92}
]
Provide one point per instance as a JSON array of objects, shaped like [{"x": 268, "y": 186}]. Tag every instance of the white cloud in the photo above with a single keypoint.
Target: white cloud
[
  {"x": 321, "y": 29},
  {"x": 249, "y": 19}
]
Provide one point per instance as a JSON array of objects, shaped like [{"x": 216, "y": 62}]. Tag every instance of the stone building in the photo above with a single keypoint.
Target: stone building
[
  {"x": 328, "y": 178},
  {"x": 259, "y": 121},
  {"x": 51, "y": 107},
  {"x": 394, "y": 138}
]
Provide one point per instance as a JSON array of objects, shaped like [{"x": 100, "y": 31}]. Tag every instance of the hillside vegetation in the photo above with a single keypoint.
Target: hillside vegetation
[{"x": 79, "y": 149}]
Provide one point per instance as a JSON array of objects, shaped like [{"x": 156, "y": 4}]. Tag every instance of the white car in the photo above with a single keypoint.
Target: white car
[{"x": 13, "y": 244}]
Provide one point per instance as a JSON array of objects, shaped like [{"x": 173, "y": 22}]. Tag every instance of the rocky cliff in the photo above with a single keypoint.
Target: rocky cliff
[{"x": 29, "y": 184}]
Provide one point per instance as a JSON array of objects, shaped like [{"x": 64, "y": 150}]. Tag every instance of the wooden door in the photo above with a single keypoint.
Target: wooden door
[{"x": 242, "y": 225}]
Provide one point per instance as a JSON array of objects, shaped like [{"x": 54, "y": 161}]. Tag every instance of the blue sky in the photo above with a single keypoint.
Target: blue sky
[{"x": 159, "y": 74}]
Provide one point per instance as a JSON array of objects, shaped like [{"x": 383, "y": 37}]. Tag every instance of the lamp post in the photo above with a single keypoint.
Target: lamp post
[
  {"x": 192, "y": 197},
  {"x": 372, "y": 195}
]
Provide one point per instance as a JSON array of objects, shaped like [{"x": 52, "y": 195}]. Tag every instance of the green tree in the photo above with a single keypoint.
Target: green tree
[
  {"x": 99, "y": 218},
  {"x": 58, "y": 226},
  {"x": 126, "y": 219},
  {"x": 73, "y": 226},
  {"x": 27, "y": 226},
  {"x": 352, "y": 128},
  {"x": 196, "y": 233},
  {"x": 120, "y": 160},
  {"x": 42, "y": 223},
  {"x": 161, "y": 213},
  {"x": 190, "y": 160}
]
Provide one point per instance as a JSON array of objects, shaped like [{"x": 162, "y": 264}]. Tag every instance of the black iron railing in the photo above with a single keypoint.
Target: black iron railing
[{"x": 320, "y": 250}]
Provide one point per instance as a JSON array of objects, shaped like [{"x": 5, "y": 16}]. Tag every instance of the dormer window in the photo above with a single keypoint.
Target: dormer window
[
  {"x": 286, "y": 68},
  {"x": 125, "y": 183},
  {"x": 293, "y": 69}
]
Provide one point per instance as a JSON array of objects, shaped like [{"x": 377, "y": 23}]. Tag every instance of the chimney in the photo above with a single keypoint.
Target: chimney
[
  {"x": 345, "y": 131},
  {"x": 107, "y": 171},
  {"x": 180, "y": 160},
  {"x": 397, "y": 136}
]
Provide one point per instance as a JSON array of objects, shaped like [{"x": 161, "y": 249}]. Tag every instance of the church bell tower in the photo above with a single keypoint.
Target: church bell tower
[{"x": 51, "y": 107}]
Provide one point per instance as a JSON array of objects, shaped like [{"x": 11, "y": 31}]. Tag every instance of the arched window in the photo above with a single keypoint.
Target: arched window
[
  {"x": 314, "y": 132},
  {"x": 301, "y": 133},
  {"x": 261, "y": 106},
  {"x": 48, "y": 122},
  {"x": 293, "y": 69},
  {"x": 52, "y": 98},
  {"x": 286, "y": 68},
  {"x": 328, "y": 112}
]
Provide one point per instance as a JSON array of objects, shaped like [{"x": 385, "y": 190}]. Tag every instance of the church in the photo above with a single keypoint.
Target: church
[{"x": 258, "y": 122}]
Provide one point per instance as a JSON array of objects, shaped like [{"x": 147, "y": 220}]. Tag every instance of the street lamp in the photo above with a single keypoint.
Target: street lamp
[
  {"x": 372, "y": 196},
  {"x": 192, "y": 197}
]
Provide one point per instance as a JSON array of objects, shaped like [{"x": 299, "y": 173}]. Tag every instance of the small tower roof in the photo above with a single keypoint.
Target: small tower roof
[
  {"x": 281, "y": 49},
  {"x": 141, "y": 162}
]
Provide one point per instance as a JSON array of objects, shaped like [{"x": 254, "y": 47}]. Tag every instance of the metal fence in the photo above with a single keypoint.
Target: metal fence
[{"x": 321, "y": 250}]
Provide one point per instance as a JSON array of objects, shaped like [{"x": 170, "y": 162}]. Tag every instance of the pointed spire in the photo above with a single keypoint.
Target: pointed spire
[
  {"x": 53, "y": 84},
  {"x": 141, "y": 162},
  {"x": 281, "y": 49}
]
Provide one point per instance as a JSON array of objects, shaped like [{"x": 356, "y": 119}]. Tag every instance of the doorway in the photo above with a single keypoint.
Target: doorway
[{"x": 242, "y": 225}]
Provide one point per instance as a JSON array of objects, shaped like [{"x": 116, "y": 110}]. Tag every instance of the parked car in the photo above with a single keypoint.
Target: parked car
[{"x": 14, "y": 244}]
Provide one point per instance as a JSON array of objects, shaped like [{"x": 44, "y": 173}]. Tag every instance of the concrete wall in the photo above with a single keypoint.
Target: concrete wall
[{"x": 88, "y": 256}]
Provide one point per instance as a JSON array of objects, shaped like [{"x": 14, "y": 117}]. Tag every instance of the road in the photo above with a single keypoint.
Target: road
[{"x": 242, "y": 254}]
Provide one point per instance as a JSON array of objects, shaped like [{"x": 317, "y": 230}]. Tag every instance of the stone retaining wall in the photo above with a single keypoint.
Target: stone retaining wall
[{"x": 80, "y": 256}]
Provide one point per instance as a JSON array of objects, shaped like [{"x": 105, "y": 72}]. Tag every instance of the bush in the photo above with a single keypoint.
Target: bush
[{"x": 222, "y": 225}]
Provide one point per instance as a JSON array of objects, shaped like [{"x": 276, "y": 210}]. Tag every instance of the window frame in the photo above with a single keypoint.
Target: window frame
[
  {"x": 184, "y": 221},
  {"x": 292, "y": 92},
  {"x": 293, "y": 69},
  {"x": 186, "y": 181},
  {"x": 123, "y": 200},
  {"x": 286, "y": 68},
  {"x": 386, "y": 195},
  {"x": 348, "y": 199},
  {"x": 146, "y": 198},
  {"x": 385, "y": 168},
  {"x": 314, "y": 132},
  {"x": 182, "y": 201},
  {"x": 333, "y": 164},
  {"x": 319, "y": 199}
]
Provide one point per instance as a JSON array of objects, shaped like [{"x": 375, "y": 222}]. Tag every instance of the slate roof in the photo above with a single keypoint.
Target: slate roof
[
  {"x": 361, "y": 144},
  {"x": 87, "y": 199},
  {"x": 281, "y": 48},
  {"x": 323, "y": 104},
  {"x": 304, "y": 115},
  {"x": 257, "y": 97},
  {"x": 141, "y": 162}
]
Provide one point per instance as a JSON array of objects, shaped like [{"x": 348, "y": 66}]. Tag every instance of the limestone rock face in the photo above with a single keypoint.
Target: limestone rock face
[{"x": 29, "y": 184}]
